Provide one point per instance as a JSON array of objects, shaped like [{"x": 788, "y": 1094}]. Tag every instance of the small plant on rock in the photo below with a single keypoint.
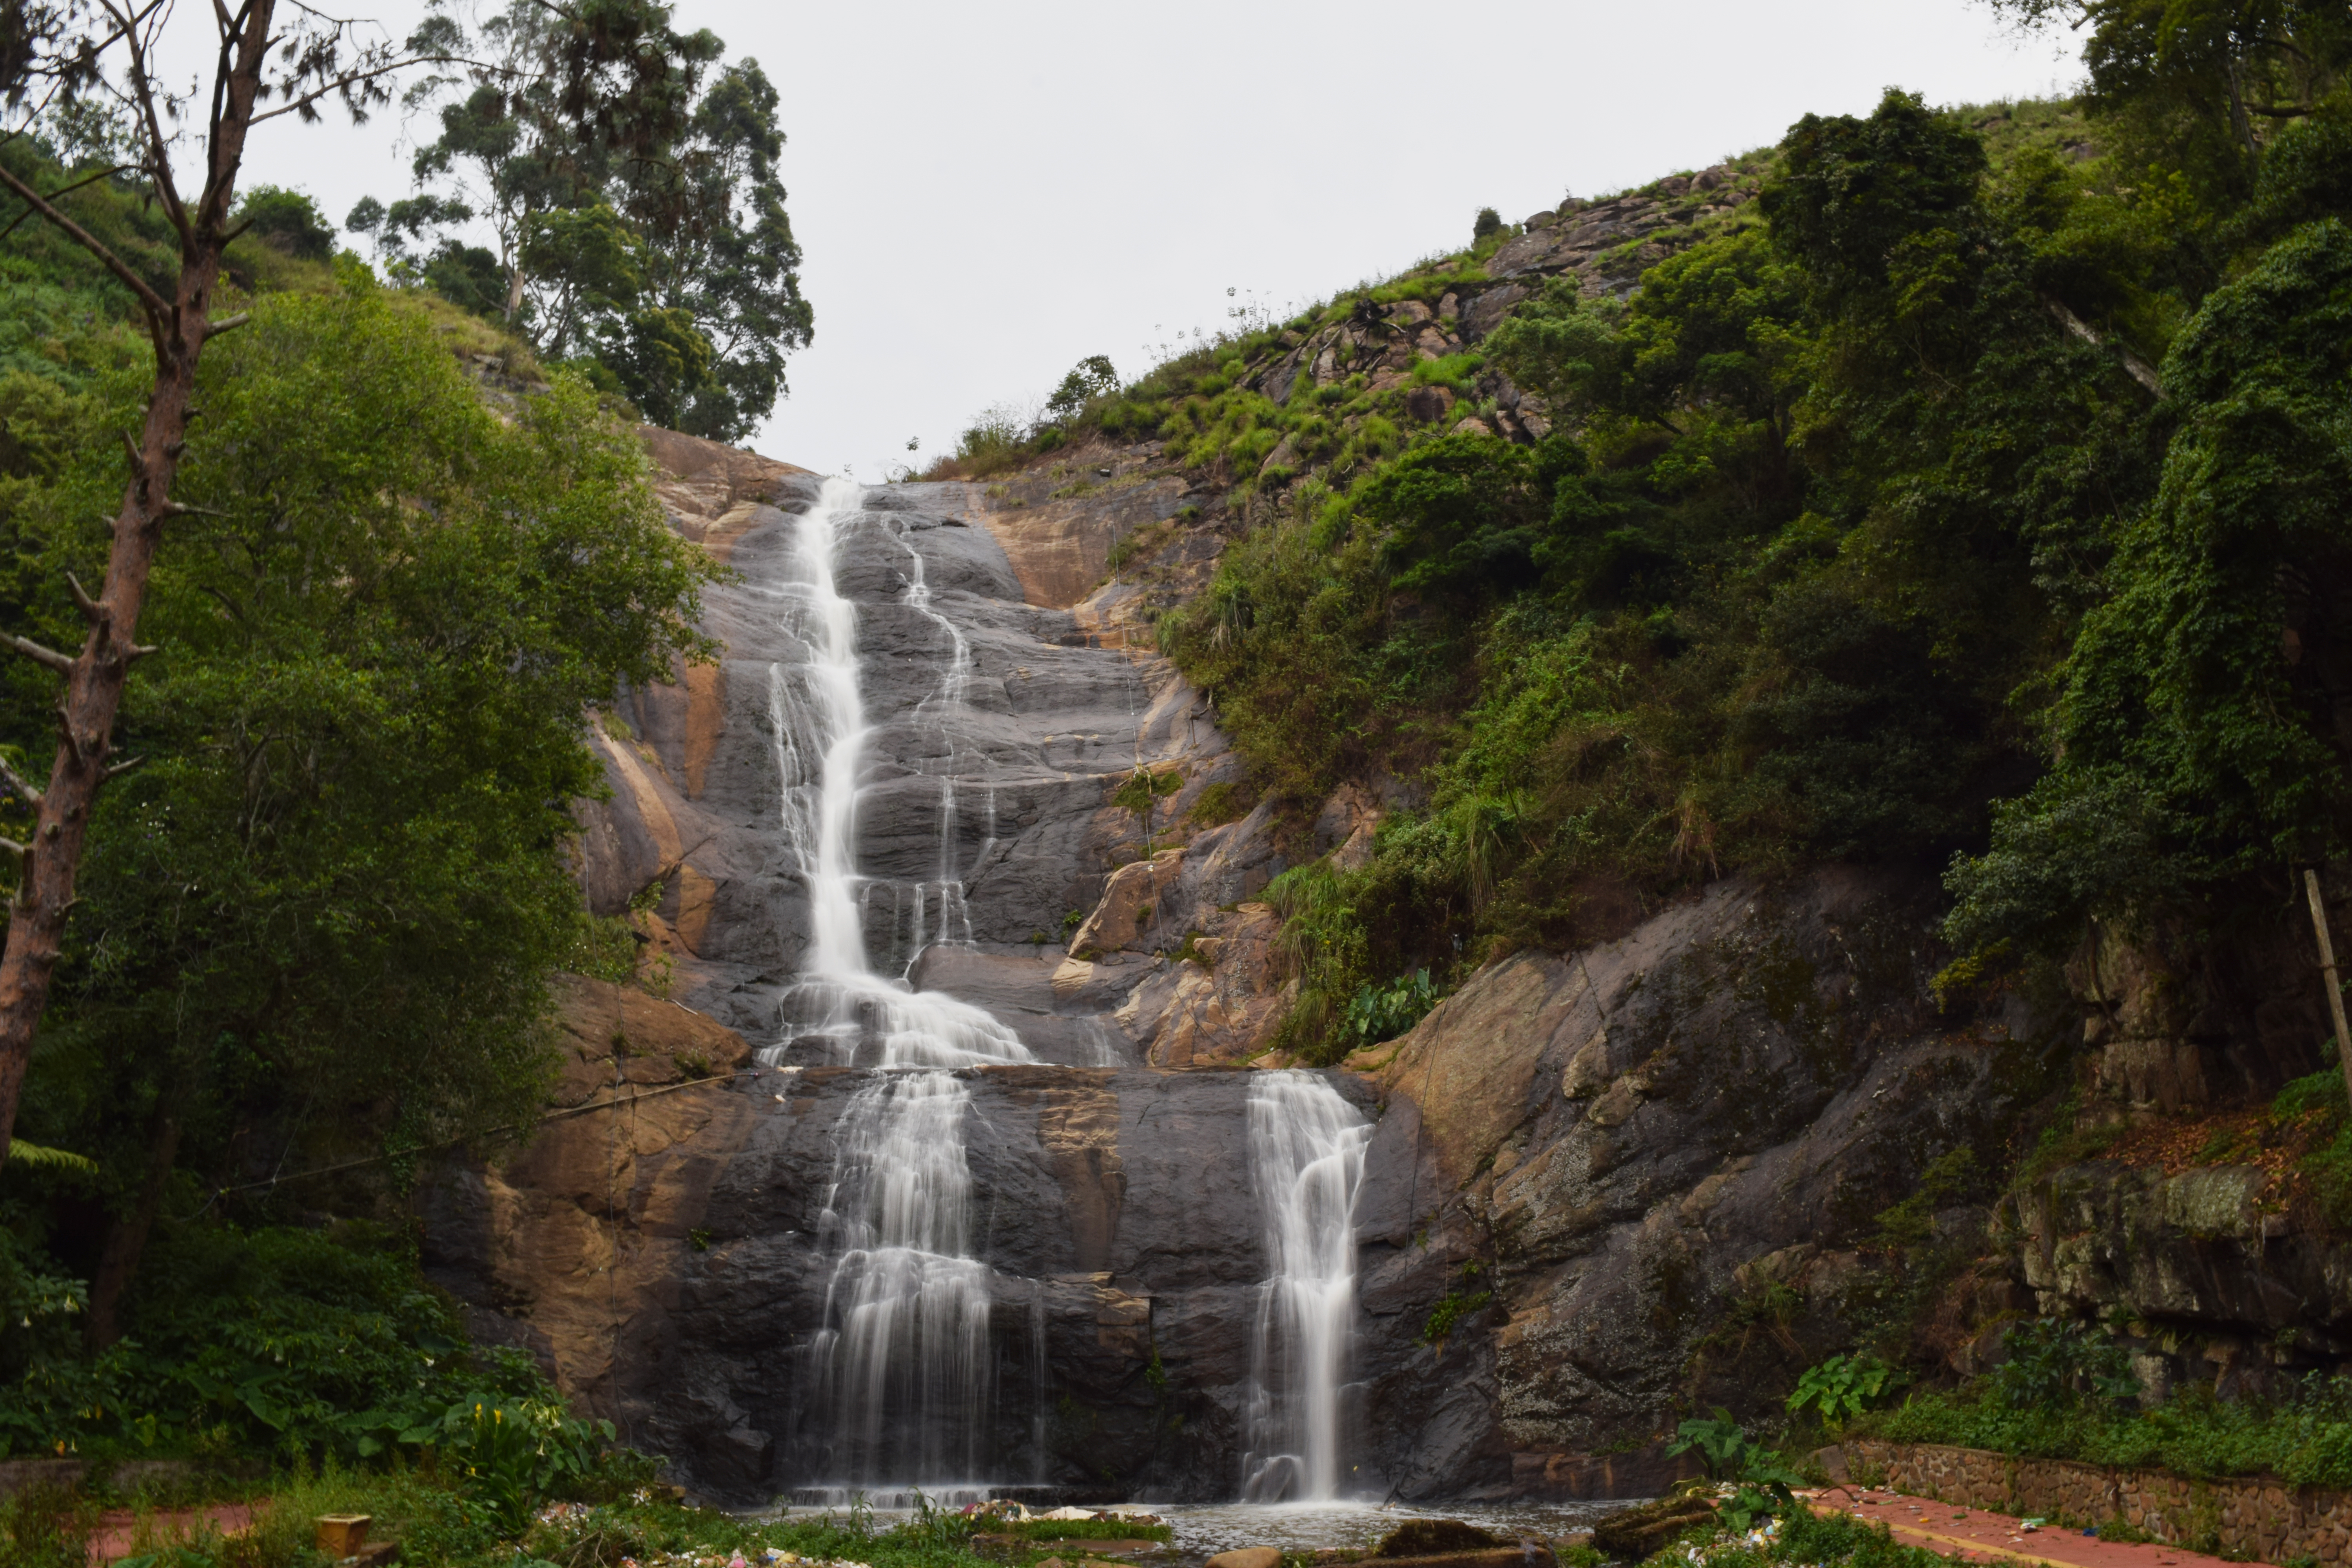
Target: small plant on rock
[
  {"x": 1144, "y": 789},
  {"x": 1378, "y": 1013}
]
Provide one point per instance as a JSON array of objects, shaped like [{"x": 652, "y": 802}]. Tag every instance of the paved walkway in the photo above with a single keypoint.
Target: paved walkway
[
  {"x": 1977, "y": 1535},
  {"x": 118, "y": 1527}
]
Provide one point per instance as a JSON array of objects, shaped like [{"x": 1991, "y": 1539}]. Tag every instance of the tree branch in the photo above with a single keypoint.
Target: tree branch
[
  {"x": 37, "y": 654},
  {"x": 89, "y": 607},
  {"x": 159, "y": 310},
  {"x": 2140, "y": 369},
  {"x": 142, "y": 88},
  {"x": 353, "y": 79},
  {"x": 66, "y": 191},
  {"x": 18, "y": 785}
]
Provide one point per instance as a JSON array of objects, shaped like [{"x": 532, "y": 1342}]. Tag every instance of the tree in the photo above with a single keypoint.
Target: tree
[
  {"x": 719, "y": 248},
  {"x": 2198, "y": 734},
  {"x": 1090, "y": 378},
  {"x": 54, "y": 51},
  {"x": 2194, "y": 93},
  {"x": 290, "y": 219},
  {"x": 637, "y": 217},
  {"x": 323, "y": 914}
]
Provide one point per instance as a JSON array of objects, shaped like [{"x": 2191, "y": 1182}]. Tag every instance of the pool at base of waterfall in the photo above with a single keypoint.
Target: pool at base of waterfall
[{"x": 1204, "y": 1529}]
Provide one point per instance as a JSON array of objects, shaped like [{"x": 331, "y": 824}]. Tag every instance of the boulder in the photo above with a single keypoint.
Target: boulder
[
  {"x": 1131, "y": 914},
  {"x": 1636, "y": 1533},
  {"x": 1430, "y": 1537},
  {"x": 1246, "y": 1557},
  {"x": 1428, "y": 405},
  {"x": 1219, "y": 1008}
]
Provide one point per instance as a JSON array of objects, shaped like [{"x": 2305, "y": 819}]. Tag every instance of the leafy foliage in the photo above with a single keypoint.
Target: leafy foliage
[
  {"x": 1840, "y": 1388},
  {"x": 2192, "y": 747},
  {"x": 630, "y": 182},
  {"x": 2052, "y": 1363},
  {"x": 318, "y": 922},
  {"x": 2306, "y": 1439},
  {"x": 1378, "y": 1013},
  {"x": 1857, "y": 533},
  {"x": 1763, "y": 1484},
  {"x": 275, "y": 1339}
]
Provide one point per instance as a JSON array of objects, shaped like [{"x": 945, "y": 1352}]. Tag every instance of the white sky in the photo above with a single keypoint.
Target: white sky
[{"x": 986, "y": 193}]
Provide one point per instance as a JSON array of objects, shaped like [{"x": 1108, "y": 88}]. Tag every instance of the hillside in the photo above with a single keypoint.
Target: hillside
[{"x": 1703, "y": 804}]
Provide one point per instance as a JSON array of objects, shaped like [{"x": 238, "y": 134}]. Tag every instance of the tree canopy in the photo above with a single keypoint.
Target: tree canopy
[
  {"x": 637, "y": 215},
  {"x": 320, "y": 918}
]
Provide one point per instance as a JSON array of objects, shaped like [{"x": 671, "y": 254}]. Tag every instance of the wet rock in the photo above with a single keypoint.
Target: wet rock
[
  {"x": 1638, "y": 1532},
  {"x": 1428, "y": 1537}
]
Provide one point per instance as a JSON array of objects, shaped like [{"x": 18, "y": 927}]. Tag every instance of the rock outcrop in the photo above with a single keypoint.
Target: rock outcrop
[
  {"x": 1650, "y": 1162},
  {"x": 1602, "y": 1186}
]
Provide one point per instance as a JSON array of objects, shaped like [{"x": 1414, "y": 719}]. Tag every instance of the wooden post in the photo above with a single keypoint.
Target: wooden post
[{"x": 2327, "y": 969}]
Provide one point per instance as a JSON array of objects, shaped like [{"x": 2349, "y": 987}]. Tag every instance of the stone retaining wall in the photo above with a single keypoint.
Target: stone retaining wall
[
  {"x": 2256, "y": 1517},
  {"x": 21, "y": 1475}
]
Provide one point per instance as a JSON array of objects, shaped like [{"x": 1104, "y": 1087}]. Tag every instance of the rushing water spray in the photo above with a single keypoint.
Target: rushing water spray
[
  {"x": 1307, "y": 1158},
  {"x": 904, "y": 1380}
]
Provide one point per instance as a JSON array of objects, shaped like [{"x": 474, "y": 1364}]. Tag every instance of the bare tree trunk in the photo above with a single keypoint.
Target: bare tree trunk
[{"x": 94, "y": 679}]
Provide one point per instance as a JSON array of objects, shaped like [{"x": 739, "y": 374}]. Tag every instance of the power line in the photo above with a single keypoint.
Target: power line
[{"x": 613, "y": 1104}]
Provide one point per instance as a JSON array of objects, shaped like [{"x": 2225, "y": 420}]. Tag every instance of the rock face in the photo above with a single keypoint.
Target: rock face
[
  {"x": 659, "y": 1249},
  {"x": 998, "y": 734},
  {"x": 583, "y": 1230},
  {"x": 1601, "y": 1185},
  {"x": 1619, "y": 1148}
]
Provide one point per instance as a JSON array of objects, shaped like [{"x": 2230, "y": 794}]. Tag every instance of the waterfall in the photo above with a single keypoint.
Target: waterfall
[
  {"x": 1306, "y": 1161},
  {"x": 902, "y": 1371}
]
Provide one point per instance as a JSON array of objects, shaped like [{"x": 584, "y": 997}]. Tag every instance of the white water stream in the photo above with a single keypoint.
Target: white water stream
[
  {"x": 901, "y": 1387},
  {"x": 1307, "y": 1160},
  {"x": 903, "y": 1368}
]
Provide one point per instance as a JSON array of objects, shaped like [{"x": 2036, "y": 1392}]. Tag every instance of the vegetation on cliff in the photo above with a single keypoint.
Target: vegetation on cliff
[
  {"x": 1867, "y": 527},
  {"x": 639, "y": 221}
]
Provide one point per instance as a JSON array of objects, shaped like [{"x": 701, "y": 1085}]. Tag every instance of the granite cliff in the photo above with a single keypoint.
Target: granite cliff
[{"x": 1665, "y": 1169}]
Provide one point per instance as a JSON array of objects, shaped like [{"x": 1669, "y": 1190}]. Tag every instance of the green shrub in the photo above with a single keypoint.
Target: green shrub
[
  {"x": 1377, "y": 1013},
  {"x": 45, "y": 1527},
  {"x": 1840, "y": 1388},
  {"x": 2306, "y": 1439},
  {"x": 1218, "y": 804}
]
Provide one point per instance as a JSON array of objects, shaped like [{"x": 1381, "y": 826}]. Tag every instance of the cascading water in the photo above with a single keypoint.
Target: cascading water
[
  {"x": 903, "y": 1384},
  {"x": 1306, "y": 1161}
]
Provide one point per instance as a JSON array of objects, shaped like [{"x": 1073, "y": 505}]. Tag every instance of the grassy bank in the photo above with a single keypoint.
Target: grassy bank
[{"x": 445, "y": 1519}]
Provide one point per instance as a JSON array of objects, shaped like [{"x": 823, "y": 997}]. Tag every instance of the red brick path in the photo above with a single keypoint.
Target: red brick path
[{"x": 1977, "y": 1535}]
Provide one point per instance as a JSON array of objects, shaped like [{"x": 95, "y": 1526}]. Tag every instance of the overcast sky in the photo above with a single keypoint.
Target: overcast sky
[{"x": 987, "y": 192}]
